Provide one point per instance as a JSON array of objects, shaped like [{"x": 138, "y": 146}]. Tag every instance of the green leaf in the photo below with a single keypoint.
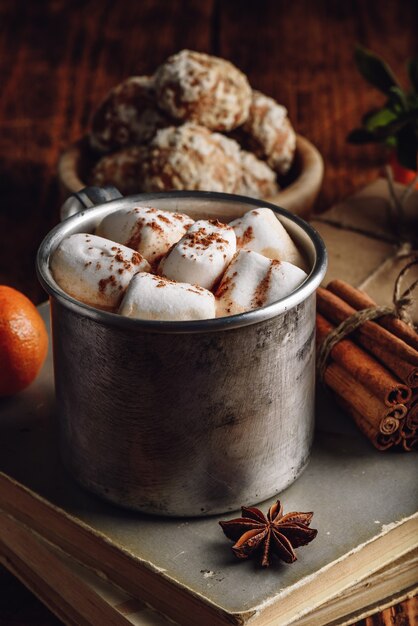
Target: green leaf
[
  {"x": 360, "y": 136},
  {"x": 413, "y": 73},
  {"x": 382, "y": 133},
  {"x": 407, "y": 147},
  {"x": 379, "y": 118},
  {"x": 374, "y": 70},
  {"x": 398, "y": 100}
]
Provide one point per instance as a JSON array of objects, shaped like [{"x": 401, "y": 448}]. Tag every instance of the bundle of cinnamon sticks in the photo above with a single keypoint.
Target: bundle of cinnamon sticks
[{"x": 374, "y": 371}]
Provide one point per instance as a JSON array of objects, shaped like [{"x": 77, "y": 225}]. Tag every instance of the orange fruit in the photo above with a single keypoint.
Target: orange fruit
[
  {"x": 23, "y": 341},
  {"x": 400, "y": 173}
]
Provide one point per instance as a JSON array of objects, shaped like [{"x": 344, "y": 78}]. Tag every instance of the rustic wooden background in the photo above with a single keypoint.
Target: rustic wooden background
[{"x": 59, "y": 57}]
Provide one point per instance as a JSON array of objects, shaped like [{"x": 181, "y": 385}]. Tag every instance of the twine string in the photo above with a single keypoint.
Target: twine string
[{"x": 402, "y": 302}]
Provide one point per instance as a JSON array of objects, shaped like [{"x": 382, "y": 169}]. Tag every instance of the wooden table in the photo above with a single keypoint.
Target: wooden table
[{"x": 58, "y": 58}]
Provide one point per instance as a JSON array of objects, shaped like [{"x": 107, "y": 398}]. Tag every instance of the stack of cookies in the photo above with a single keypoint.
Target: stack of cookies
[{"x": 196, "y": 124}]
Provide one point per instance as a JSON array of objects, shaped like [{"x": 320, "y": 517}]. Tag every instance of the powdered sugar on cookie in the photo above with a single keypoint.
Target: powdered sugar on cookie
[
  {"x": 128, "y": 115},
  {"x": 121, "y": 169},
  {"x": 191, "y": 157},
  {"x": 202, "y": 88},
  {"x": 268, "y": 133}
]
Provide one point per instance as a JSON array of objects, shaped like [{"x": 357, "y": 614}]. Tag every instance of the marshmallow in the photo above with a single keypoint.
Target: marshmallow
[
  {"x": 252, "y": 281},
  {"x": 202, "y": 255},
  {"x": 94, "y": 270},
  {"x": 150, "y": 297},
  {"x": 261, "y": 231},
  {"x": 149, "y": 231}
]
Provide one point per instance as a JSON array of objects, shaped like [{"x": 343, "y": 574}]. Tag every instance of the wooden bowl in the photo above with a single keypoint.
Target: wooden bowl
[{"x": 299, "y": 190}]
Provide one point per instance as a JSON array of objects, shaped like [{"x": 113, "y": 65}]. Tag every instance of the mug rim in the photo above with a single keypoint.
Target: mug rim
[{"x": 307, "y": 288}]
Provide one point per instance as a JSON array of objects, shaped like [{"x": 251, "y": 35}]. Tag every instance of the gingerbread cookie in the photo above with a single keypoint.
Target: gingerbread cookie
[
  {"x": 258, "y": 179},
  {"x": 121, "y": 169},
  {"x": 268, "y": 133},
  {"x": 191, "y": 157},
  {"x": 128, "y": 115},
  {"x": 192, "y": 86}
]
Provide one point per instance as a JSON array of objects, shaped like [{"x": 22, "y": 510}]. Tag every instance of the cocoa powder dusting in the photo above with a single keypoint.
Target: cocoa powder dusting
[
  {"x": 196, "y": 289},
  {"x": 200, "y": 239},
  {"x": 224, "y": 287},
  {"x": 162, "y": 281},
  {"x": 179, "y": 217},
  {"x": 156, "y": 227},
  {"x": 164, "y": 219},
  {"x": 218, "y": 224},
  {"x": 136, "y": 236},
  {"x": 260, "y": 294},
  {"x": 136, "y": 258},
  {"x": 104, "y": 282},
  {"x": 247, "y": 236}
]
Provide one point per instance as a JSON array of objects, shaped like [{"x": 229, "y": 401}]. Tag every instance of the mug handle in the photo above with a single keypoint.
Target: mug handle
[{"x": 87, "y": 198}]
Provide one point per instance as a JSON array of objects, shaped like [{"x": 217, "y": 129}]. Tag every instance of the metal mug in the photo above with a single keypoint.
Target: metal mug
[{"x": 184, "y": 418}]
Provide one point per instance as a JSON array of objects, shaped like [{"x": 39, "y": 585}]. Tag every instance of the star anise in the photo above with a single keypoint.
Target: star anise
[{"x": 279, "y": 534}]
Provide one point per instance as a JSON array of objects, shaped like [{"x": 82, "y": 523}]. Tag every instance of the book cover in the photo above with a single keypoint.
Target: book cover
[{"x": 84, "y": 596}]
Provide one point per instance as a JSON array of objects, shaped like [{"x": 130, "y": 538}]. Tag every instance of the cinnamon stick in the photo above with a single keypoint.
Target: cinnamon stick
[
  {"x": 389, "y": 425},
  {"x": 383, "y": 442},
  {"x": 399, "y": 411},
  {"x": 379, "y": 440},
  {"x": 399, "y": 357},
  {"x": 363, "y": 367},
  {"x": 361, "y": 399},
  {"x": 360, "y": 300},
  {"x": 412, "y": 417},
  {"x": 409, "y": 437},
  {"x": 410, "y": 444}
]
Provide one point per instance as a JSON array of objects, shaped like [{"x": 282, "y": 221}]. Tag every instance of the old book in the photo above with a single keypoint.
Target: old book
[
  {"x": 364, "y": 504},
  {"x": 83, "y": 596}
]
